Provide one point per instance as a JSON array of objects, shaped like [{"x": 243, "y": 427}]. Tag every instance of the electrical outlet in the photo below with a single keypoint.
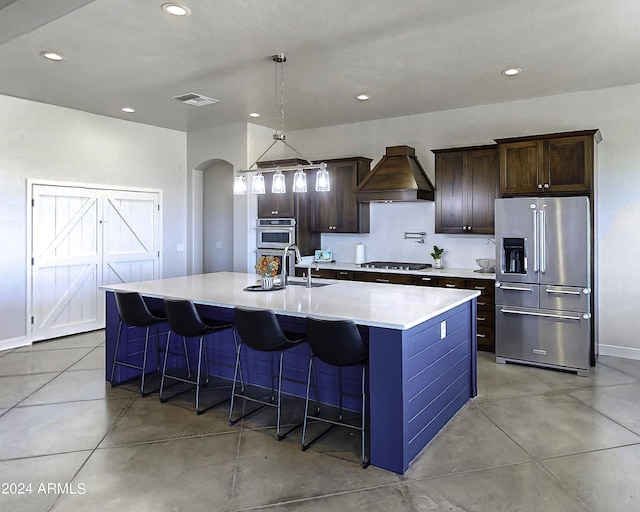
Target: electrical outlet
[{"x": 443, "y": 329}]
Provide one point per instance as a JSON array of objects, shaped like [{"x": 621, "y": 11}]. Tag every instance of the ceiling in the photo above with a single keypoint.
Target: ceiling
[{"x": 411, "y": 56}]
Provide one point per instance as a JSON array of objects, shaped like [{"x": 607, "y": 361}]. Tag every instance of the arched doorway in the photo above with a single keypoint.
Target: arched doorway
[{"x": 213, "y": 217}]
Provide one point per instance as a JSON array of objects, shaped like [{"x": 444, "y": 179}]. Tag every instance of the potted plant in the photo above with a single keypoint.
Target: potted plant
[{"x": 437, "y": 256}]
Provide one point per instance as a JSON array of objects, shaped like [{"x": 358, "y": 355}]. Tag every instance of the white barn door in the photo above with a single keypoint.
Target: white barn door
[
  {"x": 82, "y": 238},
  {"x": 131, "y": 237}
]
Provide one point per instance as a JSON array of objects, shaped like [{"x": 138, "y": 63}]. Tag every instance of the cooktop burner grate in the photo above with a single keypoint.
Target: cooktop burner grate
[{"x": 395, "y": 265}]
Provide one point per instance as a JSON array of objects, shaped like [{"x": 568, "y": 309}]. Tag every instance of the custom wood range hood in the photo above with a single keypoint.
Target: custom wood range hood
[{"x": 397, "y": 177}]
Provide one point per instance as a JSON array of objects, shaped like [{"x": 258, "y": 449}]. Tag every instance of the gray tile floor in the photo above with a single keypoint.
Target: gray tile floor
[{"x": 533, "y": 440}]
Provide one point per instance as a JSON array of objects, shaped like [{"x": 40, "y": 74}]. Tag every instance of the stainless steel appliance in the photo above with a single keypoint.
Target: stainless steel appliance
[
  {"x": 543, "y": 286},
  {"x": 275, "y": 233},
  {"x": 394, "y": 265}
]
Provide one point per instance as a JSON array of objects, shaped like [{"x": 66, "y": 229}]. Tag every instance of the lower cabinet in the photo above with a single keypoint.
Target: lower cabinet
[
  {"x": 485, "y": 307},
  {"x": 485, "y": 302}
]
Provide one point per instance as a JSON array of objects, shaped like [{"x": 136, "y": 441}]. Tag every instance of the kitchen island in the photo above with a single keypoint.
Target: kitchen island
[{"x": 422, "y": 350}]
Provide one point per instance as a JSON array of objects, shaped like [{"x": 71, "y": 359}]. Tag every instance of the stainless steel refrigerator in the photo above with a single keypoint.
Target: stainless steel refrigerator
[{"x": 543, "y": 288}]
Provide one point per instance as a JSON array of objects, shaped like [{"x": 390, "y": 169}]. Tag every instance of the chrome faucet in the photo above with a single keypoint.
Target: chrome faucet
[
  {"x": 283, "y": 276},
  {"x": 312, "y": 264}
]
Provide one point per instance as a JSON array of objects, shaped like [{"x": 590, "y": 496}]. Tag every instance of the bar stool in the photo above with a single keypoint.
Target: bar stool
[
  {"x": 184, "y": 320},
  {"x": 260, "y": 330},
  {"x": 134, "y": 312},
  {"x": 337, "y": 343}
]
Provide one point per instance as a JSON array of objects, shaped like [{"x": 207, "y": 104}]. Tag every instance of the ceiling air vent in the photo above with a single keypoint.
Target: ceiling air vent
[{"x": 191, "y": 98}]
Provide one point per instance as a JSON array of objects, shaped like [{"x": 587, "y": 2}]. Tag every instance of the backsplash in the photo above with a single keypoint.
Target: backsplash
[{"x": 389, "y": 222}]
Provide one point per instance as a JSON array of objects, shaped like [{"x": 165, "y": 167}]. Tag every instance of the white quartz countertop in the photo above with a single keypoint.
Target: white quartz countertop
[
  {"x": 464, "y": 273},
  {"x": 373, "y": 304}
]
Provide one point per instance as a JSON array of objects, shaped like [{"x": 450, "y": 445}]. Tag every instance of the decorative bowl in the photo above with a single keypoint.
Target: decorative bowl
[{"x": 486, "y": 263}]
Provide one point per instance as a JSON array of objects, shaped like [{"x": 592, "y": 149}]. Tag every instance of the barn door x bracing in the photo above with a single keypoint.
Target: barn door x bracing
[{"x": 82, "y": 238}]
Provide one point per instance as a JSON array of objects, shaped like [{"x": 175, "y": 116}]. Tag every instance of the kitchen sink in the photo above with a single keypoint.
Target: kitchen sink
[{"x": 313, "y": 285}]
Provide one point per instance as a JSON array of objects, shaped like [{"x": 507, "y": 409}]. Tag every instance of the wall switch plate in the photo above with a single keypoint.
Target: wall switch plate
[{"x": 443, "y": 329}]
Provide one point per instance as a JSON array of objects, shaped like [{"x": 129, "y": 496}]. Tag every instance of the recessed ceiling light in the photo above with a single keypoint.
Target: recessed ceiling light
[
  {"x": 176, "y": 9},
  {"x": 511, "y": 71},
  {"x": 128, "y": 110},
  {"x": 254, "y": 114},
  {"x": 363, "y": 97},
  {"x": 47, "y": 54}
]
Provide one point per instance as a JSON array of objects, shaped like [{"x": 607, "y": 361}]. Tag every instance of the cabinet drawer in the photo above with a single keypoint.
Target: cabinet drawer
[
  {"x": 383, "y": 277},
  {"x": 485, "y": 303},
  {"x": 344, "y": 274},
  {"x": 486, "y": 287},
  {"x": 485, "y": 337},
  {"x": 486, "y": 318},
  {"x": 452, "y": 282},
  {"x": 425, "y": 281}
]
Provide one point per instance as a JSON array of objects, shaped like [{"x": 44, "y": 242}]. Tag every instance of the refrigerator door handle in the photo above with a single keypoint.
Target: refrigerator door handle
[
  {"x": 563, "y": 292},
  {"x": 514, "y": 288},
  {"x": 585, "y": 316},
  {"x": 543, "y": 242},
  {"x": 535, "y": 241}
]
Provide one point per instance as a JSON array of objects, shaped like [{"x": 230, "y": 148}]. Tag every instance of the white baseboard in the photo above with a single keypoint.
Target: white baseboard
[
  {"x": 616, "y": 351},
  {"x": 9, "y": 343}
]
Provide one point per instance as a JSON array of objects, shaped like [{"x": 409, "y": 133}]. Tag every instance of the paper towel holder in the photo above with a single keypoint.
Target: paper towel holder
[{"x": 418, "y": 236}]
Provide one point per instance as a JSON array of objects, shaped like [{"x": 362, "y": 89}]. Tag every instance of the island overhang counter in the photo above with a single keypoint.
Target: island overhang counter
[{"x": 422, "y": 345}]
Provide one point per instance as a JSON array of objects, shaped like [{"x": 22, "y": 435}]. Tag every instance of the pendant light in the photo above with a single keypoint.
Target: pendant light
[
  {"x": 278, "y": 185},
  {"x": 257, "y": 184},
  {"x": 323, "y": 183},
  {"x": 240, "y": 185},
  {"x": 300, "y": 180}
]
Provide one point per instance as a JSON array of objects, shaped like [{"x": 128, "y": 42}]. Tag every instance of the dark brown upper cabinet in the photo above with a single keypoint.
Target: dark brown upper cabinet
[
  {"x": 559, "y": 163},
  {"x": 466, "y": 187},
  {"x": 338, "y": 211}
]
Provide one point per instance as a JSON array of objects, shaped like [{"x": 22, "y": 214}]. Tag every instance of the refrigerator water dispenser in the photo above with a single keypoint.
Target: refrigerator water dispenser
[{"x": 514, "y": 255}]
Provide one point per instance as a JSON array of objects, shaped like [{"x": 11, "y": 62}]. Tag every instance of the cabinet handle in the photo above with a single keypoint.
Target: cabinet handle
[
  {"x": 382, "y": 280},
  {"x": 343, "y": 273},
  {"x": 481, "y": 303},
  {"x": 425, "y": 279},
  {"x": 316, "y": 275},
  {"x": 464, "y": 228},
  {"x": 468, "y": 228},
  {"x": 480, "y": 319},
  {"x": 480, "y": 287},
  {"x": 481, "y": 335},
  {"x": 540, "y": 185},
  {"x": 546, "y": 185},
  {"x": 450, "y": 285}
]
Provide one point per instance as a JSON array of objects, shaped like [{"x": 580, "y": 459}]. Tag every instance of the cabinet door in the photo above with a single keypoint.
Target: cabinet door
[
  {"x": 277, "y": 205},
  {"x": 482, "y": 190},
  {"x": 521, "y": 167},
  {"x": 338, "y": 211},
  {"x": 450, "y": 192},
  {"x": 568, "y": 164}
]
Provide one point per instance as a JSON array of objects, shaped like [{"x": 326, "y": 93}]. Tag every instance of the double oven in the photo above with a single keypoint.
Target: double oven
[{"x": 272, "y": 236}]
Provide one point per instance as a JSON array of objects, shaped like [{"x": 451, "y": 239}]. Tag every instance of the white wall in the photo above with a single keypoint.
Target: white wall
[
  {"x": 42, "y": 141},
  {"x": 616, "y": 112}
]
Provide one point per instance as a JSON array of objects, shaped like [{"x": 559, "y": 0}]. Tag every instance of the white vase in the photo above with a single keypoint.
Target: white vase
[
  {"x": 266, "y": 282},
  {"x": 437, "y": 263}
]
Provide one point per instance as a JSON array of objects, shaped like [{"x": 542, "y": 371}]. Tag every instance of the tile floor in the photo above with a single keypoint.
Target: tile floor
[{"x": 533, "y": 440}]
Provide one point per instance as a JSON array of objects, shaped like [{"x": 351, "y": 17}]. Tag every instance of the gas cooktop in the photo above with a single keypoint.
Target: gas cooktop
[{"x": 394, "y": 265}]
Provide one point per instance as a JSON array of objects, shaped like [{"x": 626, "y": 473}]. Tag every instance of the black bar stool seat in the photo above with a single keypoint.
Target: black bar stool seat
[
  {"x": 337, "y": 343},
  {"x": 133, "y": 311},
  {"x": 184, "y": 320},
  {"x": 260, "y": 330}
]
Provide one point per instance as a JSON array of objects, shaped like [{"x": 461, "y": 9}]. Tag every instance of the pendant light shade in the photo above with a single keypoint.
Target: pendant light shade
[
  {"x": 240, "y": 185},
  {"x": 278, "y": 185},
  {"x": 299, "y": 180},
  {"x": 322, "y": 179},
  {"x": 257, "y": 185}
]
